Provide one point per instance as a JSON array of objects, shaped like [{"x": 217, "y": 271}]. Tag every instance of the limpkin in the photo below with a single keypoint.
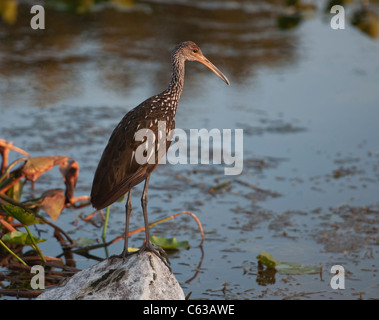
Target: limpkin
[{"x": 118, "y": 171}]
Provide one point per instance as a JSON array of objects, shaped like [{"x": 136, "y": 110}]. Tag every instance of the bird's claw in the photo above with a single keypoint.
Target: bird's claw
[
  {"x": 125, "y": 254},
  {"x": 158, "y": 251}
]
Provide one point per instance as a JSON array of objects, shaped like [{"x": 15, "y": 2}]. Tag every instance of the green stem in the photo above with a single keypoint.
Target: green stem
[
  {"x": 105, "y": 223},
  {"x": 105, "y": 230},
  {"x": 12, "y": 253},
  {"x": 6, "y": 173},
  {"x": 35, "y": 245}
]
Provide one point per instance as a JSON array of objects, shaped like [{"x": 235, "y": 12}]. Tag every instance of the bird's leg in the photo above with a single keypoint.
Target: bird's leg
[
  {"x": 128, "y": 211},
  {"x": 148, "y": 246}
]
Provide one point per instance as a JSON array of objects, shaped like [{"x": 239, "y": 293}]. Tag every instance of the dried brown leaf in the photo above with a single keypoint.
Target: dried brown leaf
[
  {"x": 69, "y": 169},
  {"x": 53, "y": 202},
  {"x": 36, "y": 166}
]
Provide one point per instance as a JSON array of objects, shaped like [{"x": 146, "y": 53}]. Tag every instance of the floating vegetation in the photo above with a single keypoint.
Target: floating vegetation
[
  {"x": 17, "y": 213},
  {"x": 284, "y": 267}
]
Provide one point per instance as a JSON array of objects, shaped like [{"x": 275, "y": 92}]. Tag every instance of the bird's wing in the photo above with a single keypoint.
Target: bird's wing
[{"x": 118, "y": 170}]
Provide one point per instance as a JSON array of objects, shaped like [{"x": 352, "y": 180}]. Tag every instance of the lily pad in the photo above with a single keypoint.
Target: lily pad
[
  {"x": 83, "y": 242},
  {"x": 284, "y": 267},
  {"x": 169, "y": 243}
]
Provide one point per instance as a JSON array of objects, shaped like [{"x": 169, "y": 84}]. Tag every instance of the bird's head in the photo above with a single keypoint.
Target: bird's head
[{"x": 190, "y": 51}]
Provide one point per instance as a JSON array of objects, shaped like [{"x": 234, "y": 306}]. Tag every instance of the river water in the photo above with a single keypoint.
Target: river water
[{"x": 307, "y": 99}]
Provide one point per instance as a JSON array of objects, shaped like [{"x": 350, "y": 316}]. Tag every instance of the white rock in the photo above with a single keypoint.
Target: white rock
[{"x": 140, "y": 277}]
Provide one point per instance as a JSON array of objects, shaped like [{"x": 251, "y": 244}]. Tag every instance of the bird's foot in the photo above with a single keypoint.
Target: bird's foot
[
  {"x": 158, "y": 251},
  {"x": 125, "y": 254}
]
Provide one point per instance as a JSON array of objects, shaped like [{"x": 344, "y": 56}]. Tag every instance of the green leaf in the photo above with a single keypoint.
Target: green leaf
[
  {"x": 267, "y": 259},
  {"x": 18, "y": 237},
  {"x": 169, "y": 243},
  {"x": 26, "y": 218}
]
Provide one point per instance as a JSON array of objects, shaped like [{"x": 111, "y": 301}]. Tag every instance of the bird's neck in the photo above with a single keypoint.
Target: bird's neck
[{"x": 177, "y": 78}]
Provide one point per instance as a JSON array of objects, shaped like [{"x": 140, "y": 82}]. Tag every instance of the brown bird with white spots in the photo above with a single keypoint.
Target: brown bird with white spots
[{"x": 118, "y": 170}]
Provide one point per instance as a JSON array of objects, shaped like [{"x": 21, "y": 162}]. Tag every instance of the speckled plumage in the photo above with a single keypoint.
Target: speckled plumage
[{"x": 118, "y": 171}]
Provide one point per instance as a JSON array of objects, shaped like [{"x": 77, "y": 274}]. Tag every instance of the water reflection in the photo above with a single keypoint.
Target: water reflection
[
  {"x": 122, "y": 39},
  {"x": 120, "y": 44}
]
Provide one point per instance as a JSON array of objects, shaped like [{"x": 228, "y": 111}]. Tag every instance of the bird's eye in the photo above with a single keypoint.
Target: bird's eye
[{"x": 194, "y": 50}]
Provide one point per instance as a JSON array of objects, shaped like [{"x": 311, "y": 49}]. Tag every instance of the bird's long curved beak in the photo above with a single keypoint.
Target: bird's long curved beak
[{"x": 211, "y": 66}]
